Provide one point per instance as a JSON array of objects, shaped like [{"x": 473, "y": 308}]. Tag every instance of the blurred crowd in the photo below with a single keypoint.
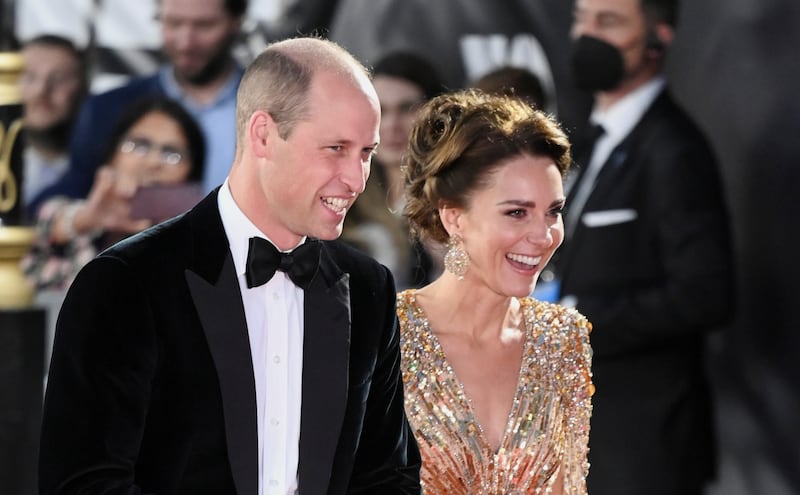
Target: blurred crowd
[{"x": 103, "y": 160}]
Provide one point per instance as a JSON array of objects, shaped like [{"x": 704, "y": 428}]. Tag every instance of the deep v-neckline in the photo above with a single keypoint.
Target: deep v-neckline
[{"x": 461, "y": 391}]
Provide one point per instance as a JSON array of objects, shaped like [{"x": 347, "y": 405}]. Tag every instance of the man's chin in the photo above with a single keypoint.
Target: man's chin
[
  {"x": 329, "y": 234},
  {"x": 42, "y": 120},
  {"x": 187, "y": 72}
]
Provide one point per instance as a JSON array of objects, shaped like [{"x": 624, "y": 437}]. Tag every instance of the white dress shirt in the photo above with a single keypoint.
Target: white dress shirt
[
  {"x": 40, "y": 172},
  {"x": 274, "y": 314},
  {"x": 617, "y": 121}
]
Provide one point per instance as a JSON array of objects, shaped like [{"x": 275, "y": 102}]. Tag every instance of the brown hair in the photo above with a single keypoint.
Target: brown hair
[
  {"x": 459, "y": 139},
  {"x": 513, "y": 81}
]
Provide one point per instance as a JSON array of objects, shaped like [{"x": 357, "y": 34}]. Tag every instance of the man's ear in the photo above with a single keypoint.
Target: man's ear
[
  {"x": 260, "y": 130},
  {"x": 660, "y": 37}
]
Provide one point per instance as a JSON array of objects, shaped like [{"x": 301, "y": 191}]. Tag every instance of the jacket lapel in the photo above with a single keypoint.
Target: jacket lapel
[
  {"x": 215, "y": 291},
  {"x": 326, "y": 354}
]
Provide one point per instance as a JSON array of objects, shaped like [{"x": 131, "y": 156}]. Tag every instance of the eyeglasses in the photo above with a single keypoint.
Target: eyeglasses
[{"x": 168, "y": 155}]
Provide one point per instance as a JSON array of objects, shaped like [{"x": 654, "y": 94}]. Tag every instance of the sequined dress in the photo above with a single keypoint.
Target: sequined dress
[{"x": 548, "y": 425}]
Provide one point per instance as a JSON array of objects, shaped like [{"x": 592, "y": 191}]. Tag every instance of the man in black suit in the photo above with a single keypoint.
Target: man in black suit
[
  {"x": 647, "y": 257},
  {"x": 195, "y": 358}
]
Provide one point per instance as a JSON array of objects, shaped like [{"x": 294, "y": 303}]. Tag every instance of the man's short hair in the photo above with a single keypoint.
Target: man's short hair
[
  {"x": 236, "y": 8},
  {"x": 658, "y": 11},
  {"x": 278, "y": 81}
]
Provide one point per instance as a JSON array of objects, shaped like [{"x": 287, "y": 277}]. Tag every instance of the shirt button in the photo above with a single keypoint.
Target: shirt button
[
  {"x": 273, "y": 482},
  {"x": 276, "y": 359},
  {"x": 274, "y": 422},
  {"x": 275, "y": 296}
]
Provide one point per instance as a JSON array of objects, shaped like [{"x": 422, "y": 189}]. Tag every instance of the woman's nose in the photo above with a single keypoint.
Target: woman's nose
[{"x": 541, "y": 234}]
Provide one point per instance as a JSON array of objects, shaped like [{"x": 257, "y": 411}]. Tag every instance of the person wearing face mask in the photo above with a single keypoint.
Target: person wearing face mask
[
  {"x": 647, "y": 256},
  {"x": 498, "y": 384}
]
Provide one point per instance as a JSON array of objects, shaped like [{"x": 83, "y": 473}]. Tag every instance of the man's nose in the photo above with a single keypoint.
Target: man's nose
[{"x": 355, "y": 174}]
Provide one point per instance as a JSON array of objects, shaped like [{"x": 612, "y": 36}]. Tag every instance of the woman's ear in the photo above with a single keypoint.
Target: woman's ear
[{"x": 451, "y": 219}]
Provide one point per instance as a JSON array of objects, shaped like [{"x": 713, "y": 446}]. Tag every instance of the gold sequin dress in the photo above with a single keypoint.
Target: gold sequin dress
[{"x": 548, "y": 425}]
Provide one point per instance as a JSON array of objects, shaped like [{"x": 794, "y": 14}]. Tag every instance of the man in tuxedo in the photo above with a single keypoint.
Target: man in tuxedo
[
  {"x": 647, "y": 257},
  {"x": 240, "y": 348}
]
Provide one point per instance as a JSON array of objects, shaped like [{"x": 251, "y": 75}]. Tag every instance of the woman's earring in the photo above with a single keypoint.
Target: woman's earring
[{"x": 456, "y": 260}]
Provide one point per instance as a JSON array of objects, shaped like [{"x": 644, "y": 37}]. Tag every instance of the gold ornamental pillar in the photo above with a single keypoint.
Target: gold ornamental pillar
[{"x": 15, "y": 238}]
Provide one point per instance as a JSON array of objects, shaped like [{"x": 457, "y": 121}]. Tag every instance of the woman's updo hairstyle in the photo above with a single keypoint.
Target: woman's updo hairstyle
[{"x": 458, "y": 140}]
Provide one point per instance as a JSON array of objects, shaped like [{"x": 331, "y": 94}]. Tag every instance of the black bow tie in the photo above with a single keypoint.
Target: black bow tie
[{"x": 263, "y": 258}]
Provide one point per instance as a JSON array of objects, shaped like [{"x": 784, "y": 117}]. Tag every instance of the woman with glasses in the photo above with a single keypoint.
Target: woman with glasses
[{"x": 155, "y": 145}]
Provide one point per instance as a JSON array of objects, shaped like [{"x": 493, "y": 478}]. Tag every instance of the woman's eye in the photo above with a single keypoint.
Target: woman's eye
[{"x": 516, "y": 213}]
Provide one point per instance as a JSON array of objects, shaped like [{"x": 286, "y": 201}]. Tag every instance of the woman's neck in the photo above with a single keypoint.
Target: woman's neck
[{"x": 457, "y": 306}]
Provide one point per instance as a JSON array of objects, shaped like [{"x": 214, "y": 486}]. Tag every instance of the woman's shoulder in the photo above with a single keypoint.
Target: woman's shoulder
[
  {"x": 563, "y": 332},
  {"x": 406, "y": 306},
  {"x": 555, "y": 315},
  {"x": 406, "y": 297}
]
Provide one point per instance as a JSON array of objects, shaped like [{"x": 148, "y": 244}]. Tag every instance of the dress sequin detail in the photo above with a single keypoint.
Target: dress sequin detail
[{"x": 548, "y": 425}]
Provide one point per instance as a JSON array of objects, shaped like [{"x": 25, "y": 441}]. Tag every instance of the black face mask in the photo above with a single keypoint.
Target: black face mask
[{"x": 596, "y": 65}]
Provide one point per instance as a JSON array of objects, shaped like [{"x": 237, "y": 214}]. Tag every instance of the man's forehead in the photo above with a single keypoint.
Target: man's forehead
[
  {"x": 192, "y": 8},
  {"x": 609, "y": 6}
]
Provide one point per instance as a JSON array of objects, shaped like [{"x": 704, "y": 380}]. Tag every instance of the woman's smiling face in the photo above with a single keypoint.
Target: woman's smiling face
[{"x": 512, "y": 227}]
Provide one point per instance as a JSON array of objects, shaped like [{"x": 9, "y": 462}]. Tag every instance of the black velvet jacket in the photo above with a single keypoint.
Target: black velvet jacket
[{"x": 151, "y": 386}]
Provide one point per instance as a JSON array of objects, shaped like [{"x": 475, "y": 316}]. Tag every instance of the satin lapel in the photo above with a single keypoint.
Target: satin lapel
[
  {"x": 215, "y": 292},
  {"x": 326, "y": 354}
]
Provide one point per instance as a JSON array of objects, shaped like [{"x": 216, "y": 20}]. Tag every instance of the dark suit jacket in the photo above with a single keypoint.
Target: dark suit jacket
[
  {"x": 650, "y": 265},
  {"x": 151, "y": 386},
  {"x": 94, "y": 125}
]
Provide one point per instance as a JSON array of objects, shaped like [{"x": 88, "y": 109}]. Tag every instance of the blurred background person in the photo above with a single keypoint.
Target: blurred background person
[
  {"x": 201, "y": 73},
  {"x": 155, "y": 142},
  {"x": 467, "y": 38},
  {"x": 518, "y": 82},
  {"x": 375, "y": 223},
  {"x": 498, "y": 385},
  {"x": 723, "y": 50},
  {"x": 647, "y": 257},
  {"x": 53, "y": 84}
]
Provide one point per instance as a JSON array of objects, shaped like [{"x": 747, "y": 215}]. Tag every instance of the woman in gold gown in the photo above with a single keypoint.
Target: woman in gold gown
[{"x": 498, "y": 385}]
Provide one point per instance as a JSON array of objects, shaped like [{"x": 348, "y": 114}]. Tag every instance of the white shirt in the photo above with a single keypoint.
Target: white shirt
[
  {"x": 40, "y": 172},
  {"x": 217, "y": 119},
  {"x": 274, "y": 315},
  {"x": 617, "y": 121}
]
